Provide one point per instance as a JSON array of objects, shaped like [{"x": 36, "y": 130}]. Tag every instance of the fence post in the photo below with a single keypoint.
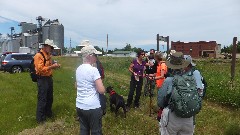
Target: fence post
[{"x": 234, "y": 50}]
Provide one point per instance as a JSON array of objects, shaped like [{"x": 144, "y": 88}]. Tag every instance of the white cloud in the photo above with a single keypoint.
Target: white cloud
[
  {"x": 3, "y": 20},
  {"x": 136, "y": 22}
]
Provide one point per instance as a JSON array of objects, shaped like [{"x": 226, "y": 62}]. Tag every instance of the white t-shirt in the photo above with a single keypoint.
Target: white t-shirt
[{"x": 87, "y": 95}]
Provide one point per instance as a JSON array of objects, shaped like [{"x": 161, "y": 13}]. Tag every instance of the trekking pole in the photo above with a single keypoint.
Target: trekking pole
[{"x": 150, "y": 95}]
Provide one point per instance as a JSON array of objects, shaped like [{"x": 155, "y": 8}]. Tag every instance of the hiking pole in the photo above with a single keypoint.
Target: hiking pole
[{"x": 150, "y": 95}]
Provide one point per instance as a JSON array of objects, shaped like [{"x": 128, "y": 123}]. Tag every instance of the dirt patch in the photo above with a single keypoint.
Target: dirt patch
[{"x": 57, "y": 127}]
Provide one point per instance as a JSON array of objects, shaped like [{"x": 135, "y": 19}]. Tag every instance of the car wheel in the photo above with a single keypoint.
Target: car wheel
[{"x": 16, "y": 69}]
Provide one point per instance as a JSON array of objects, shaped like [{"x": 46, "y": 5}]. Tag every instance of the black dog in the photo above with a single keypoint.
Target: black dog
[{"x": 117, "y": 100}]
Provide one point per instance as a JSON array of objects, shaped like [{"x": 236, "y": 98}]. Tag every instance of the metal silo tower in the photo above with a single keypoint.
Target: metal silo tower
[{"x": 56, "y": 33}]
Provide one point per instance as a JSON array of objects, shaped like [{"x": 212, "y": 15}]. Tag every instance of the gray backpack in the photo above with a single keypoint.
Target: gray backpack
[{"x": 185, "y": 100}]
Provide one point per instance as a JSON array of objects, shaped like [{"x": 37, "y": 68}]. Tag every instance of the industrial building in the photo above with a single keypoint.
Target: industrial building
[
  {"x": 32, "y": 35},
  {"x": 197, "y": 49}
]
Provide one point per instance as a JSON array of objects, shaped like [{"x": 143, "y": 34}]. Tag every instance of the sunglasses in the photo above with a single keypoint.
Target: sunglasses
[{"x": 143, "y": 54}]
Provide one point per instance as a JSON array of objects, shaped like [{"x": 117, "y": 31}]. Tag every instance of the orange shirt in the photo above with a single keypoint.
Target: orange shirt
[
  {"x": 161, "y": 66},
  {"x": 40, "y": 68}
]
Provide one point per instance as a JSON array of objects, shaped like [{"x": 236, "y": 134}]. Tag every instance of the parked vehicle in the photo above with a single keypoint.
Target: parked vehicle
[{"x": 16, "y": 62}]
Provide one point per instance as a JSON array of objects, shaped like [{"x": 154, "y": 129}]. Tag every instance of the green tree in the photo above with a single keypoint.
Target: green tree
[
  {"x": 127, "y": 47},
  {"x": 228, "y": 49},
  {"x": 64, "y": 50}
]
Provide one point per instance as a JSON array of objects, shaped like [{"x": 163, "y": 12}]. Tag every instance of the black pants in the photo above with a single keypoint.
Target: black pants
[
  {"x": 135, "y": 85},
  {"x": 90, "y": 121},
  {"x": 45, "y": 98}
]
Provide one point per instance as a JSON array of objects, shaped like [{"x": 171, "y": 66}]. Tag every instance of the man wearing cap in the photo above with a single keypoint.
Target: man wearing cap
[
  {"x": 170, "y": 124},
  {"x": 43, "y": 66},
  {"x": 89, "y": 85},
  {"x": 197, "y": 75}
]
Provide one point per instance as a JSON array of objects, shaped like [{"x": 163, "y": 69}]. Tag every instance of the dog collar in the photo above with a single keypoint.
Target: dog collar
[{"x": 112, "y": 92}]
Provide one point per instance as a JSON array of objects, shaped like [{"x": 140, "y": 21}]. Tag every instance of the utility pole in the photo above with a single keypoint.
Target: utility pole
[
  {"x": 157, "y": 42},
  {"x": 167, "y": 46},
  {"x": 107, "y": 45},
  {"x": 70, "y": 46}
]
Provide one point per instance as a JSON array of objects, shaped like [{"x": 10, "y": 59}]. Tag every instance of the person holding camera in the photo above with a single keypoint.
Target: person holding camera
[{"x": 44, "y": 69}]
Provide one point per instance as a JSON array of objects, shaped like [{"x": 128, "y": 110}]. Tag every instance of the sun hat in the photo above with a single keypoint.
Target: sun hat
[
  {"x": 88, "y": 50},
  {"x": 189, "y": 58},
  {"x": 177, "y": 61},
  {"x": 49, "y": 43}
]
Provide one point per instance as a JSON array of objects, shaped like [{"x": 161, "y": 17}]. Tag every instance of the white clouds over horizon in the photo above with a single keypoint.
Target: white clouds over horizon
[{"x": 136, "y": 22}]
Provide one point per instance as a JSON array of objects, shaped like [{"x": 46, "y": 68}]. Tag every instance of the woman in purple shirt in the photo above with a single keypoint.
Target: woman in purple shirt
[{"x": 137, "y": 68}]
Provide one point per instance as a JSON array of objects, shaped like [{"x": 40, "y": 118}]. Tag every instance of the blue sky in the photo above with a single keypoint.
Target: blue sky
[{"x": 136, "y": 22}]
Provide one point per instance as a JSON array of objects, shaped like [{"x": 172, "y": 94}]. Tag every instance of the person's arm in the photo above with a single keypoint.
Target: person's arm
[
  {"x": 162, "y": 93},
  {"x": 198, "y": 78},
  {"x": 161, "y": 76},
  {"x": 131, "y": 69},
  {"x": 99, "y": 86}
]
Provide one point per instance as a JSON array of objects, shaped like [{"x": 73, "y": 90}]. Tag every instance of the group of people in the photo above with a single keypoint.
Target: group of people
[
  {"x": 153, "y": 68},
  {"x": 162, "y": 74},
  {"x": 90, "y": 87}
]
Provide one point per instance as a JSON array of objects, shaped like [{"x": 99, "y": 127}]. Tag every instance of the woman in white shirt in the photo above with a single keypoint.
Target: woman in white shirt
[{"x": 89, "y": 85}]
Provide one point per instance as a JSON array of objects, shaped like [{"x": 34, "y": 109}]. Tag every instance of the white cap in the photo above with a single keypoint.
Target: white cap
[
  {"x": 87, "y": 50},
  {"x": 189, "y": 58}
]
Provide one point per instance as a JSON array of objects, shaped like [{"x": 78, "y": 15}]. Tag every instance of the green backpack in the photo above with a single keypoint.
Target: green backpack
[{"x": 184, "y": 100}]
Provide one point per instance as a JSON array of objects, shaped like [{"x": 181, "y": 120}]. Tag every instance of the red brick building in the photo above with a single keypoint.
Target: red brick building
[{"x": 197, "y": 49}]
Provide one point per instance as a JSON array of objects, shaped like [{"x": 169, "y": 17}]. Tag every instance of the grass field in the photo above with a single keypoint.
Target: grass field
[{"x": 220, "y": 114}]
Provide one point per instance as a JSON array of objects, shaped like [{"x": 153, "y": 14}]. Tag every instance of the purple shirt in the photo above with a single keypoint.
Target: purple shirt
[{"x": 138, "y": 68}]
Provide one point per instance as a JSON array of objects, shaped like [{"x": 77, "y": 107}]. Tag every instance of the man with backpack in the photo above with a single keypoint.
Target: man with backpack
[
  {"x": 44, "y": 68},
  {"x": 179, "y": 98}
]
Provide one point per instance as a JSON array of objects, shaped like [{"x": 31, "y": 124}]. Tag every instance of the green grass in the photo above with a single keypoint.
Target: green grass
[{"x": 19, "y": 97}]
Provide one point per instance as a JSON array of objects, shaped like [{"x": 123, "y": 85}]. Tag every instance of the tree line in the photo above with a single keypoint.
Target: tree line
[
  {"x": 128, "y": 47},
  {"x": 228, "y": 49}
]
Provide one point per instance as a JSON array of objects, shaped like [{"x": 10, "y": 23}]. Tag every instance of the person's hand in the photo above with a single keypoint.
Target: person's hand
[
  {"x": 55, "y": 65},
  {"x": 135, "y": 74}
]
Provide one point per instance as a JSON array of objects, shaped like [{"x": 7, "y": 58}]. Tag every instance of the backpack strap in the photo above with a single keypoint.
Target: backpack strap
[{"x": 43, "y": 57}]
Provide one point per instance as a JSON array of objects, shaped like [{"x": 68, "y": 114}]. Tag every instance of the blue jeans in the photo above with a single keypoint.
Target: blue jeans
[{"x": 90, "y": 121}]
